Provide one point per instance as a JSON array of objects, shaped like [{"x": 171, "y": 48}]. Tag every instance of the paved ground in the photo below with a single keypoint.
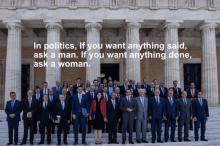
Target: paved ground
[{"x": 212, "y": 133}]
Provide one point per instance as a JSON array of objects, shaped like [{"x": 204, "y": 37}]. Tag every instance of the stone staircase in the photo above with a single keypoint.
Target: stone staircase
[{"x": 212, "y": 134}]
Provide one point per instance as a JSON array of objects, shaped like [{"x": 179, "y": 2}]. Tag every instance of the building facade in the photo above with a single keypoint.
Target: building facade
[{"x": 196, "y": 23}]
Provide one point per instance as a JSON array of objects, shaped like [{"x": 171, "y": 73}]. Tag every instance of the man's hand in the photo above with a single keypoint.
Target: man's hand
[
  {"x": 12, "y": 115},
  {"x": 207, "y": 119},
  {"x": 119, "y": 120},
  {"x": 38, "y": 122},
  {"x": 128, "y": 109},
  {"x": 90, "y": 118},
  {"x": 165, "y": 118},
  {"x": 87, "y": 115},
  {"x": 150, "y": 117},
  {"x": 29, "y": 114},
  {"x": 68, "y": 121},
  {"x": 74, "y": 116},
  {"x": 195, "y": 119},
  {"x": 191, "y": 117},
  {"x": 177, "y": 118},
  {"x": 56, "y": 121}
]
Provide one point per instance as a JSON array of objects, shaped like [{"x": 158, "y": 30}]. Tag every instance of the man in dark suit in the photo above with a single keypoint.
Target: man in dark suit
[
  {"x": 185, "y": 108},
  {"x": 128, "y": 107},
  {"x": 156, "y": 112},
  {"x": 110, "y": 88},
  {"x": 124, "y": 87},
  {"x": 53, "y": 99},
  {"x": 96, "y": 87},
  {"x": 137, "y": 90},
  {"x": 150, "y": 92},
  {"x": 58, "y": 89},
  {"x": 80, "y": 101},
  {"x": 119, "y": 97},
  {"x": 172, "y": 114},
  {"x": 192, "y": 94},
  {"x": 115, "y": 84},
  {"x": 113, "y": 116},
  {"x": 132, "y": 93},
  {"x": 70, "y": 90},
  {"x": 44, "y": 118},
  {"x": 132, "y": 85},
  {"x": 29, "y": 107},
  {"x": 145, "y": 85},
  {"x": 155, "y": 82},
  {"x": 177, "y": 91},
  {"x": 61, "y": 116},
  {"x": 78, "y": 83},
  {"x": 91, "y": 96},
  {"x": 39, "y": 98},
  {"x": 163, "y": 90},
  {"x": 13, "y": 110},
  {"x": 98, "y": 80},
  {"x": 45, "y": 90},
  {"x": 105, "y": 83},
  {"x": 201, "y": 115},
  {"x": 106, "y": 97}
]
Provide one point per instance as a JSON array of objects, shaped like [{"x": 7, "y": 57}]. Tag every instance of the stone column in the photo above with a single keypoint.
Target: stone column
[
  {"x": 53, "y": 74},
  {"x": 13, "y": 59},
  {"x": 93, "y": 37},
  {"x": 133, "y": 64},
  {"x": 171, "y": 68},
  {"x": 209, "y": 64}
]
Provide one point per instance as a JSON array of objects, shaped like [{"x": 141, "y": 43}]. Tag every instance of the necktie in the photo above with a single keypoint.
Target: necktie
[
  {"x": 12, "y": 103},
  {"x": 142, "y": 101},
  {"x": 71, "y": 93},
  {"x": 45, "y": 105},
  {"x": 80, "y": 98},
  {"x": 106, "y": 97},
  {"x": 176, "y": 91},
  {"x": 144, "y": 85},
  {"x": 63, "y": 105},
  {"x": 58, "y": 88},
  {"x": 157, "y": 101},
  {"x": 162, "y": 90},
  {"x": 192, "y": 93},
  {"x": 200, "y": 100},
  {"x": 171, "y": 101},
  {"x": 114, "y": 104},
  {"x": 45, "y": 92},
  {"x": 128, "y": 101},
  {"x": 29, "y": 103},
  {"x": 51, "y": 98},
  {"x": 185, "y": 101}
]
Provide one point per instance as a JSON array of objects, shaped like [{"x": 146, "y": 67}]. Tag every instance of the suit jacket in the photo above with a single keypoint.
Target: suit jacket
[
  {"x": 43, "y": 114},
  {"x": 113, "y": 114},
  {"x": 41, "y": 97},
  {"x": 53, "y": 103},
  {"x": 124, "y": 105},
  {"x": 113, "y": 89},
  {"x": 63, "y": 113},
  {"x": 140, "y": 109},
  {"x": 108, "y": 96},
  {"x": 55, "y": 91},
  {"x": 32, "y": 109},
  {"x": 122, "y": 90},
  {"x": 69, "y": 94},
  {"x": 189, "y": 94},
  {"x": 147, "y": 87},
  {"x": 135, "y": 92},
  {"x": 98, "y": 89},
  {"x": 172, "y": 111},
  {"x": 90, "y": 98},
  {"x": 77, "y": 107},
  {"x": 157, "y": 111},
  {"x": 75, "y": 89},
  {"x": 16, "y": 110},
  {"x": 134, "y": 87},
  {"x": 185, "y": 110},
  {"x": 68, "y": 98},
  {"x": 200, "y": 112},
  {"x": 175, "y": 92},
  {"x": 150, "y": 93},
  {"x": 42, "y": 91},
  {"x": 165, "y": 92}
]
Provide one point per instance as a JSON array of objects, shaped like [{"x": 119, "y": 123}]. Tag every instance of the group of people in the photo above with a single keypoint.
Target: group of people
[{"x": 108, "y": 107}]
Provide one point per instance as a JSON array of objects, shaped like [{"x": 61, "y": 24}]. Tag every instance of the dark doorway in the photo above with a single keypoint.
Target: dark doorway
[
  {"x": 192, "y": 73},
  {"x": 25, "y": 79},
  {"x": 111, "y": 70}
]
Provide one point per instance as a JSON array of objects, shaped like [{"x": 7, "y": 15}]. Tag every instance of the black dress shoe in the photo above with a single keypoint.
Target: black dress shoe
[
  {"x": 204, "y": 139},
  {"x": 144, "y": 141},
  {"x": 187, "y": 140},
  {"x": 180, "y": 140},
  {"x": 153, "y": 141},
  {"x": 109, "y": 142},
  {"x": 116, "y": 142},
  {"x": 48, "y": 143},
  {"x": 166, "y": 140},
  {"x": 31, "y": 143},
  {"x": 160, "y": 141},
  {"x": 75, "y": 143},
  {"x": 147, "y": 130},
  {"x": 173, "y": 140},
  {"x": 23, "y": 143},
  {"x": 131, "y": 142},
  {"x": 16, "y": 143},
  {"x": 123, "y": 142},
  {"x": 84, "y": 143},
  {"x": 196, "y": 139},
  {"x": 138, "y": 141},
  {"x": 53, "y": 133},
  {"x": 9, "y": 143},
  {"x": 65, "y": 142},
  {"x": 41, "y": 142},
  {"x": 59, "y": 143}
]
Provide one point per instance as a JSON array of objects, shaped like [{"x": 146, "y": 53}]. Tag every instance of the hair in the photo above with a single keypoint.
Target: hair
[
  {"x": 113, "y": 93},
  {"x": 97, "y": 94},
  {"x": 78, "y": 79},
  {"x": 125, "y": 79},
  {"x": 57, "y": 81},
  {"x": 116, "y": 80},
  {"x": 175, "y": 81},
  {"x": 138, "y": 83},
  {"x": 37, "y": 87},
  {"x": 66, "y": 85},
  {"x": 183, "y": 91},
  {"x": 61, "y": 95},
  {"x": 100, "y": 84},
  {"x": 64, "y": 89},
  {"x": 12, "y": 93},
  {"x": 170, "y": 90},
  {"x": 144, "y": 79},
  {"x": 51, "y": 90},
  {"x": 162, "y": 82},
  {"x": 79, "y": 87},
  {"x": 192, "y": 82},
  {"x": 94, "y": 81},
  {"x": 157, "y": 90},
  {"x": 45, "y": 83},
  {"x": 30, "y": 91},
  {"x": 45, "y": 94},
  {"x": 70, "y": 84},
  {"x": 128, "y": 89},
  {"x": 199, "y": 91},
  {"x": 143, "y": 90},
  {"x": 104, "y": 79},
  {"x": 117, "y": 88},
  {"x": 154, "y": 80}
]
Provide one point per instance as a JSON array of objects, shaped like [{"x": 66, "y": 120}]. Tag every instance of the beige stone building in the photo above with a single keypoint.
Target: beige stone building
[{"x": 194, "y": 22}]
